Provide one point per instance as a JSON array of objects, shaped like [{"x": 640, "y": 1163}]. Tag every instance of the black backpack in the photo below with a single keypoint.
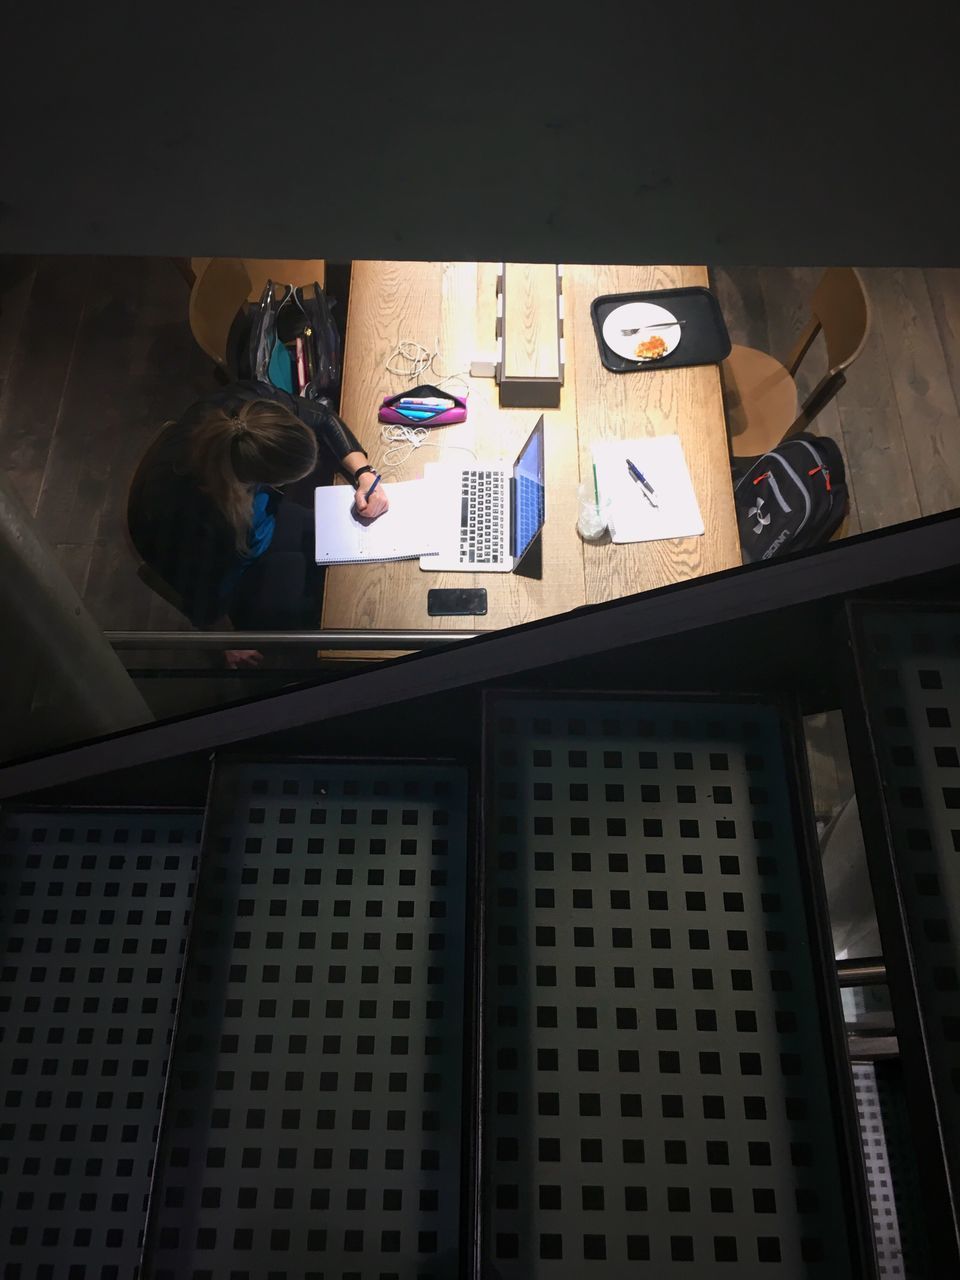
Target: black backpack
[{"x": 791, "y": 498}]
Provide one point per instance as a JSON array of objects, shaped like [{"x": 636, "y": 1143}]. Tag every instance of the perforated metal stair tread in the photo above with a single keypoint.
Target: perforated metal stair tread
[
  {"x": 93, "y": 922},
  {"x": 908, "y": 660},
  {"x": 313, "y": 1123},
  {"x": 658, "y": 1084},
  {"x": 892, "y": 1175}
]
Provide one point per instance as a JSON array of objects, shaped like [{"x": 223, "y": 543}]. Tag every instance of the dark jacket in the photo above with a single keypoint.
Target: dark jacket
[{"x": 178, "y": 530}]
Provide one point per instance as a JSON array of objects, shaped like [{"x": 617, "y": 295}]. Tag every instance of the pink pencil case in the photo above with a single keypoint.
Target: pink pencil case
[{"x": 388, "y": 411}]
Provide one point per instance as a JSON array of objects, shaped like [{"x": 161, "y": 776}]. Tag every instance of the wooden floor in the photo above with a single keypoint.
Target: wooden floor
[
  {"x": 96, "y": 354},
  {"x": 897, "y": 420}
]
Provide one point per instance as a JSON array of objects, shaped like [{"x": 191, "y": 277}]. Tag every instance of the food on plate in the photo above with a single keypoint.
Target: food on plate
[{"x": 651, "y": 348}]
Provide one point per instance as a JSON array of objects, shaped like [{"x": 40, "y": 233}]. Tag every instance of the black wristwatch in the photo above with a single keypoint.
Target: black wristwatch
[{"x": 362, "y": 471}]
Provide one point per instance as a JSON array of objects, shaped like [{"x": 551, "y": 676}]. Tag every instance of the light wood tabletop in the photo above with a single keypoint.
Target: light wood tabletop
[
  {"x": 530, "y": 319},
  {"x": 452, "y": 306}
]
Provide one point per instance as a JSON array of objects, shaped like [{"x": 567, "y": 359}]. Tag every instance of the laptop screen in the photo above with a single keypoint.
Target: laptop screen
[{"x": 528, "y": 492}]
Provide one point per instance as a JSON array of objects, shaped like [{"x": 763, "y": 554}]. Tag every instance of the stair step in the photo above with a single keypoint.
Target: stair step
[
  {"x": 314, "y": 1113},
  {"x": 903, "y": 720},
  {"x": 662, "y": 1047},
  {"x": 658, "y": 1078},
  {"x": 94, "y": 908}
]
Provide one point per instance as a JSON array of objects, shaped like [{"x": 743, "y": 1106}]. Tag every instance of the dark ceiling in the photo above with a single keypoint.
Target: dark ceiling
[{"x": 644, "y": 131}]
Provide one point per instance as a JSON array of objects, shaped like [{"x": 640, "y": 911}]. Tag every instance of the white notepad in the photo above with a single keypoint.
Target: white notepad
[
  {"x": 661, "y": 461},
  {"x": 403, "y": 532}
]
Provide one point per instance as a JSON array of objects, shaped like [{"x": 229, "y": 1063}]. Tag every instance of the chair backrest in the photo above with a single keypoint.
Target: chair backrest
[
  {"x": 840, "y": 305},
  {"x": 295, "y": 271},
  {"x": 218, "y": 293},
  {"x": 840, "y": 309}
]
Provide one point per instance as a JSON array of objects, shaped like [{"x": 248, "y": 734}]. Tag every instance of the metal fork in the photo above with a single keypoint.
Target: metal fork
[{"x": 667, "y": 324}]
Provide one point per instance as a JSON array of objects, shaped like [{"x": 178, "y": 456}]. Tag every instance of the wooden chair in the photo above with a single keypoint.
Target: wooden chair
[
  {"x": 221, "y": 286},
  {"x": 760, "y": 392},
  {"x": 219, "y": 292}
]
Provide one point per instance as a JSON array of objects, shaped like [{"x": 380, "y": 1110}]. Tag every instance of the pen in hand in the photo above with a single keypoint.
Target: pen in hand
[
  {"x": 638, "y": 475},
  {"x": 366, "y": 496}
]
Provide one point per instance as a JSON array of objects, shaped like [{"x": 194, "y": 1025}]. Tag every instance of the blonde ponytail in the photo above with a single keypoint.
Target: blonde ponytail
[{"x": 260, "y": 443}]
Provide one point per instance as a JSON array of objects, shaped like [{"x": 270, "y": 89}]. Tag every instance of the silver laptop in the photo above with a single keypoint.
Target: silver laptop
[{"x": 488, "y": 517}]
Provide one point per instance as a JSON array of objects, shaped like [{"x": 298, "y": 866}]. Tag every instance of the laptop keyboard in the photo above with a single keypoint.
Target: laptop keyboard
[{"x": 481, "y": 517}]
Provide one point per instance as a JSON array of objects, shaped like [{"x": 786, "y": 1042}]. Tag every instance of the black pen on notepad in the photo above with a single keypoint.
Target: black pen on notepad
[{"x": 638, "y": 475}]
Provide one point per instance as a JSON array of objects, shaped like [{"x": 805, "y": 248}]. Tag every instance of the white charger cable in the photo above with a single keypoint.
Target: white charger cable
[{"x": 411, "y": 360}]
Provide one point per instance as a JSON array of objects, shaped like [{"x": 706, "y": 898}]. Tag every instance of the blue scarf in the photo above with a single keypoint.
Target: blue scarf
[{"x": 262, "y": 525}]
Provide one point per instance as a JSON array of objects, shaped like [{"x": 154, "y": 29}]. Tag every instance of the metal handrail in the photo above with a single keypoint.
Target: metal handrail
[{"x": 325, "y": 638}]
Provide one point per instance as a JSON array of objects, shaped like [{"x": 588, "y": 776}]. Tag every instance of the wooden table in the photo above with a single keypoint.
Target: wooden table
[{"x": 454, "y": 305}]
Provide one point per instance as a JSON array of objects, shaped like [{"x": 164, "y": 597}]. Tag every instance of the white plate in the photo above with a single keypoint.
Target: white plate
[{"x": 631, "y": 316}]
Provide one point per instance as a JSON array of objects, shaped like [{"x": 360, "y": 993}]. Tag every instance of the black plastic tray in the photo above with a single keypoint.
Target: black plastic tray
[{"x": 705, "y": 339}]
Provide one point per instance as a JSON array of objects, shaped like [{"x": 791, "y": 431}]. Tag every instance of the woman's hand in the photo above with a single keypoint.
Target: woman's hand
[
  {"x": 376, "y": 504},
  {"x": 237, "y": 658}
]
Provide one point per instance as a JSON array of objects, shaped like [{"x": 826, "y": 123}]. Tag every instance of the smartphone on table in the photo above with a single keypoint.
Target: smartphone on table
[{"x": 446, "y": 602}]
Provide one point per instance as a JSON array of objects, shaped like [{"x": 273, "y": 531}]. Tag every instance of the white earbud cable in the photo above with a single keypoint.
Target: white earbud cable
[{"x": 411, "y": 360}]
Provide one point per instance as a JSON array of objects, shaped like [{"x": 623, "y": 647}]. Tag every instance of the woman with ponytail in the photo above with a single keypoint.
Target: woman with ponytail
[{"x": 206, "y": 513}]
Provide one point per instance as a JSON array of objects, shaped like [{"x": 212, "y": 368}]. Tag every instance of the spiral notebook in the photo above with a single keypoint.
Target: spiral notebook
[{"x": 403, "y": 532}]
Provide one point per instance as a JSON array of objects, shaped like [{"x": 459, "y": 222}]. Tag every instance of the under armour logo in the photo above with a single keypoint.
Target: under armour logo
[{"x": 761, "y": 518}]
